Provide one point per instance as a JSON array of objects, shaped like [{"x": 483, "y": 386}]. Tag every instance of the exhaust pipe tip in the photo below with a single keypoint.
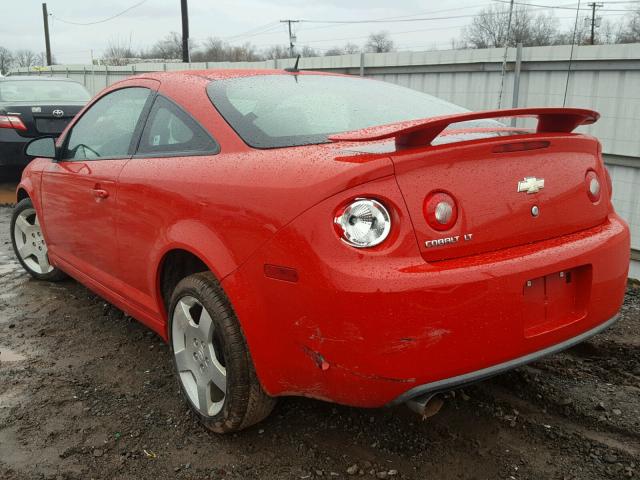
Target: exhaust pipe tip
[{"x": 426, "y": 405}]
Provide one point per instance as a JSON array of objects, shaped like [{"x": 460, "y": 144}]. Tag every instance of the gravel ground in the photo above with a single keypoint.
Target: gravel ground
[{"x": 87, "y": 392}]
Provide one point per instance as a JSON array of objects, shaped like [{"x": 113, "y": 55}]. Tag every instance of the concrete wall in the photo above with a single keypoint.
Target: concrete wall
[{"x": 605, "y": 78}]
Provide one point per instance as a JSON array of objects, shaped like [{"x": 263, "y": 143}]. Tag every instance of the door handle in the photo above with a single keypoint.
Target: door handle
[{"x": 100, "y": 193}]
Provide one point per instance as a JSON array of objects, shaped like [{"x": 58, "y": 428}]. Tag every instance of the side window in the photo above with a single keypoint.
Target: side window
[
  {"x": 107, "y": 128},
  {"x": 171, "y": 131}
]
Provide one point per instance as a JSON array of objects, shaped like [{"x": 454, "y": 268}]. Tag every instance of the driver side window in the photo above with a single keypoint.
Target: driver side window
[{"x": 107, "y": 128}]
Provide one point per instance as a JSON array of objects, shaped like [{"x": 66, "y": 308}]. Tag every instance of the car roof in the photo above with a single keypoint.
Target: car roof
[{"x": 222, "y": 74}]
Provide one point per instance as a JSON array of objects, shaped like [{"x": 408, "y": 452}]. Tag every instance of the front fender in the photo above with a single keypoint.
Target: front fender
[{"x": 30, "y": 184}]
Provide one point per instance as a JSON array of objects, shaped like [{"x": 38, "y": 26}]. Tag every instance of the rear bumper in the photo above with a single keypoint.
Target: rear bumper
[
  {"x": 479, "y": 375},
  {"x": 378, "y": 331},
  {"x": 12, "y": 149}
]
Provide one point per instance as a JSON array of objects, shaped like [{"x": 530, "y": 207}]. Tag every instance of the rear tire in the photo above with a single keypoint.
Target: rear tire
[
  {"x": 212, "y": 361},
  {"x": 29, "y": 245}
]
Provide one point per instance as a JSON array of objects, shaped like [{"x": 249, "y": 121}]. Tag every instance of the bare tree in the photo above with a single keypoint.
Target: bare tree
[
  {"x": 118, "y": 52},
  {"x": 276, "y": 51},
  {"x": 216, "y": 50},
  {"x": 307, "y": 51},
  {"x": 608, "y": 33},
  {"x": 6, "y": 60},
  {"x": 379, "y": 43},
  {"x": 490, "y": 28},
  {"x": 213, "y": 50},
  {"x": 347, "y": 49},
  {"x": 334, "y": 51},
  {"x": 27, "y": 58},
  {"x": 169, "y": 48},
  {"x": 351, "y": 48},
  {"x": 243, "y": 53},
  {"x": 630, "y": 30}
]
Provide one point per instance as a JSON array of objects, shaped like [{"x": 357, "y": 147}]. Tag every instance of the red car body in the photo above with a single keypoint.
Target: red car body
[{"x": 323, "y": 319}]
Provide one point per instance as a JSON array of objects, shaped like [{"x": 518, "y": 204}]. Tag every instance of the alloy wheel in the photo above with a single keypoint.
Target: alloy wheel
[
  {"x": 199, "y": 356},
  {"x": 30, "y": 243}
]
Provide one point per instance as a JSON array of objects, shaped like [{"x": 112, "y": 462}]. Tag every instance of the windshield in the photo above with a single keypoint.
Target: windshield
[
  {"x": 270, "y": 111},
  {"x": 39, "y": 91}
]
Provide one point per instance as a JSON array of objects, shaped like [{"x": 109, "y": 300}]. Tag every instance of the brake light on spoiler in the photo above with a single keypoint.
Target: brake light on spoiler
[{"x": 414, "y": 133}]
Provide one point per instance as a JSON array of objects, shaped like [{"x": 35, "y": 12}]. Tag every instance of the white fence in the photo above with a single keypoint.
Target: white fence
[{"x": 605, "y": 78}]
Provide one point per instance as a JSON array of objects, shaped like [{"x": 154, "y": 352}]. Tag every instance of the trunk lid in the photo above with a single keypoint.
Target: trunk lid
[
  {"x": 483, "y": 176},
  {"x": 42, "y": 120},
  {"x": 485, "y": 180}
]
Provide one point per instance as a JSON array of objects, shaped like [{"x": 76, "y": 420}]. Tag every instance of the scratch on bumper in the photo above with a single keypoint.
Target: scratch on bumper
[{"x": 471, "y": 377}]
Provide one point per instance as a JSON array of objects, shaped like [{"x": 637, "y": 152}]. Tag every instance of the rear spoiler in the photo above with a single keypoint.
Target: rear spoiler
[{"x": 415, "y": 133}]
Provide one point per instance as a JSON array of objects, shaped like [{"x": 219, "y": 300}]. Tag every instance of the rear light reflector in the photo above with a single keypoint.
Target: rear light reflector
[
  {"x": 440, "y": 210},
  {"x": 279, "y": 272},
  {"x": 11, "y": 121},
  {"x": 593, "y": 186}
]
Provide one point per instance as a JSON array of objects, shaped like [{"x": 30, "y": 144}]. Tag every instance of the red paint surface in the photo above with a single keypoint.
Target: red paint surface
[{"x": 359, "y": 326}]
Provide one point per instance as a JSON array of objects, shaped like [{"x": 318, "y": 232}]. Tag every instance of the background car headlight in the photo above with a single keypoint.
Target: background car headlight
[{"x": 364, "y": 223}]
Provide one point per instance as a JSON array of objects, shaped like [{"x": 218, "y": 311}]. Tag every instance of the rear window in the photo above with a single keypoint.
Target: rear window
[
  {"x": 270, "y": 111},
  {"x": 39, "y": 91}
]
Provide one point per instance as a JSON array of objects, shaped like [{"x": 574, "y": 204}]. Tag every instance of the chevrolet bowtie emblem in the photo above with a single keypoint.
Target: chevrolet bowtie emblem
[{"x": 531, "y": 185}]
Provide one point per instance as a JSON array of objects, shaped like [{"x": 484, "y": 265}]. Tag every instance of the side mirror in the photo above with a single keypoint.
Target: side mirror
[{"x": 44, "y": 147}]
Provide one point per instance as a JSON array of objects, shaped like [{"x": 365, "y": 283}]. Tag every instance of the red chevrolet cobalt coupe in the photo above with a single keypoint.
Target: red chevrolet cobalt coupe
[{"x": 297, "y": 233}]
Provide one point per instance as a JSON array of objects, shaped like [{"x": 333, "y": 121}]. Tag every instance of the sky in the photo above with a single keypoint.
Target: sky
[{"x": 255, "y": 21}]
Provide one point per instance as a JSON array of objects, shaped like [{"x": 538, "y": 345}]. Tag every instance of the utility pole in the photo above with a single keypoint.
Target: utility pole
[
  {"x": 292, "y": 37},
  {"x": 45, "y": 19},
  {"x": 593, "y": 6},
  {"x": 185, "y": 32}
]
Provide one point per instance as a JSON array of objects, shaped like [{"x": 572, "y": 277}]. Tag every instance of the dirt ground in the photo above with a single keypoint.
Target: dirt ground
[{"x": 86, "y": 392}]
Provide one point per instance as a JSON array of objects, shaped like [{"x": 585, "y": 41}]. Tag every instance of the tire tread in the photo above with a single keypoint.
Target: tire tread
[
  {"x": 246, "y": 402},
  {"x": 55, "y": 275}
]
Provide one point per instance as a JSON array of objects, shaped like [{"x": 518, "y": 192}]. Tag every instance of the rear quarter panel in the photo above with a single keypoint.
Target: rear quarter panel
[{"x": 221, "y": 207}]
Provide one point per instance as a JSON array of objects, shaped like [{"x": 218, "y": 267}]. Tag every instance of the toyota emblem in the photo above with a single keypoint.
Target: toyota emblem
[{"x": 57, "y": 113}]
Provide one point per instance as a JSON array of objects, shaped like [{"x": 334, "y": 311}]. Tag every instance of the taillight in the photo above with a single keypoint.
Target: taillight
[
  {"x": 363, "y": 223},
  {"x": 592, "y": 183},
  {"x": 11, "y": 121},
  {"x": 440, "y": 210}
]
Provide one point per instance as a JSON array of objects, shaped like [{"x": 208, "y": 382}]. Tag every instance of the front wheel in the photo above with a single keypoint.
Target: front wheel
[
  {"x": 29, "y": 244},
  {"x": 212, "y": 361}
]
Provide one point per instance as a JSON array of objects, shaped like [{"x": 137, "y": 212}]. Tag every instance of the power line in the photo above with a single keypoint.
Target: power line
[
  {"x": 266, "y": 28},
  {"x": 335, "y": 40},
  {"x": 351, "y": 22},
  {"x": 557, "y": 7},
  {"x": 100, "y": 21},
  {"x": 433, "y": 29},
  {"x": 337, "y": 23}
]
